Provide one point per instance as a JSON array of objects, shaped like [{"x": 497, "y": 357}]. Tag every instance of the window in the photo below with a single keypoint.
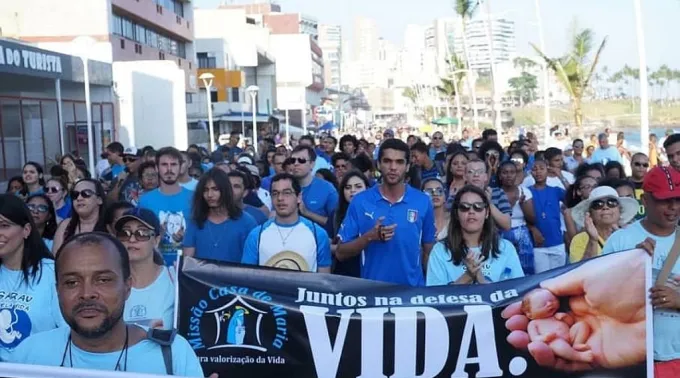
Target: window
[
  {"x": 117, "y": 25},
  {"x": 178, "y": 8},
  {"x": 138, "y": 33},
  {"x": 213, "y": 96},
  {"x": 189, "y": 98},
  {"x": 235, "y": 95},
  {"x": 128, "y": 30},
  {"x": 206, "y": 62}
]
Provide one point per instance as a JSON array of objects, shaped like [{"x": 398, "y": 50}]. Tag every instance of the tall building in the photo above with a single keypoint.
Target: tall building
[
  {"x": 365, "y": 39},
  {"x": 124, "y": 30},
  {"x": 330, "y": 41},
  {"x": 477, "y": 38},
  {"x": 444, "y": 36}
]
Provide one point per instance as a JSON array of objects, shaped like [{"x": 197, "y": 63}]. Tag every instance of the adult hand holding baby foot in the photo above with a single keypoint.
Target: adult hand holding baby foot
[{"x": 614, "y": 323}]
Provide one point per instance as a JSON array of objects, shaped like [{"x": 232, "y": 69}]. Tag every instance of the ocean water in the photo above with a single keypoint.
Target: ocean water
[{"x": 633, "y": 135}]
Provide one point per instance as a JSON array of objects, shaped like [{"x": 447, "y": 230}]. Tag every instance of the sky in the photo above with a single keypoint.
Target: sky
[{"x": 612, "y": 18}]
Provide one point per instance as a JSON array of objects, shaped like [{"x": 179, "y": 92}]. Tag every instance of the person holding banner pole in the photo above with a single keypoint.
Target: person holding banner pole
[
  {"x": 472, "y": 251},
  {"x": 391, "y": 225},
  {"x": 93, "y": 282}
]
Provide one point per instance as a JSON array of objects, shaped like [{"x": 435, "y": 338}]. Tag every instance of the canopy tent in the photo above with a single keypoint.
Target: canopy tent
[{"x": 445, "y": 121}]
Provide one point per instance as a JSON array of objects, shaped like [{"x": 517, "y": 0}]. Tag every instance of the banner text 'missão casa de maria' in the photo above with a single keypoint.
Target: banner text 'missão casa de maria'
[{"x": 583, "y": 320}]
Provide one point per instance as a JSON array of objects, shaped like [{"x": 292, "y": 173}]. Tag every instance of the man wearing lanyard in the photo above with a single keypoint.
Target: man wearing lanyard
[{"x": 391, "y": 224}]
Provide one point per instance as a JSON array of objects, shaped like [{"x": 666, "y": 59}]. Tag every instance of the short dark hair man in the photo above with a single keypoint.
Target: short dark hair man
[
  {"x": 421, "y": 158},
  {"x": 319, "y": 197},
  {"x": 391, "y": 225},
  {"x": 342, "y": 163},
  {"x": 93, "y": 283}
]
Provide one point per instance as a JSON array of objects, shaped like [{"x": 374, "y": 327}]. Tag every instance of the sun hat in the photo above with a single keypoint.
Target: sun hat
[{"x": 629, "y": 206}]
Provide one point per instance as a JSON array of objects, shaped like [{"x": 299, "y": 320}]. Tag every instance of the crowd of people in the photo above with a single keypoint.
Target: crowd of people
[{"x": 87, "y": 257}]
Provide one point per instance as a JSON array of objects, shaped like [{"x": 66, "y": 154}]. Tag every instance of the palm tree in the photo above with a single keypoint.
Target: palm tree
[
  {"x": 465, "y": 9},
  {"x": 575, "y": 69},
  {"x": 523, "y": 63},
  {"x": 457, "y": 69}
]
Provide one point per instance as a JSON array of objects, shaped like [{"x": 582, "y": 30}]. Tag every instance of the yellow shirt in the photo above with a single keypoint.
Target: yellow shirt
[{"x": 578, "y": 246}]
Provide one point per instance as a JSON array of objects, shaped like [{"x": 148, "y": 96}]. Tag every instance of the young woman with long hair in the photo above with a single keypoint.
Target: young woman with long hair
[
  {"x": 56, "y": 189},
  {"x": 473, "y": 252},
  {"x": 32, "y": 174},
  {"x": 27, "y": 273},
  {"x": 152, "y": 300},
  {"x": 455, "y": 175},
  {"x": 434, "y": 189},
  {"x": 87, "y": 212},
  {"x": 15, "y": 185},
  {"x": 68, "y": 163},
  {"x": 44, "y": 217},
  {"x": 353, "y": 183}
]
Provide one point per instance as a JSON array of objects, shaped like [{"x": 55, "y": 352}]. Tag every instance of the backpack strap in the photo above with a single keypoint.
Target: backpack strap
[
  {"x": 670, "y": 260},
  {"x": 164, "y": 338}
]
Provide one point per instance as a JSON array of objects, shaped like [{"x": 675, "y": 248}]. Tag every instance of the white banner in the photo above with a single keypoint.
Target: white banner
[{"x": 35, "y": 371}]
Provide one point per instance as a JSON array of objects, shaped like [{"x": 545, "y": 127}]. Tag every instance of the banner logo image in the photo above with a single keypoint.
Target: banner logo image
[{"x": 235, "y": 319}]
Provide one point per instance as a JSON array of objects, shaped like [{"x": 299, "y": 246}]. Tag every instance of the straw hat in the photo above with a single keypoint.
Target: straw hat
[{"x": 629, "y": 206}]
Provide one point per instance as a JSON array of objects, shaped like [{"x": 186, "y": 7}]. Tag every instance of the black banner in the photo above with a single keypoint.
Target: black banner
[{"x": 258, "y": 322}]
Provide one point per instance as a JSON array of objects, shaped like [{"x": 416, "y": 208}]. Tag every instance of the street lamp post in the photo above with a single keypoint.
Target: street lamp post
[
  {"x": 546, "y": 79},
  {"x": 207, "y": 79},
  {"x": 644, "y": 97},
  {"x": 252, "y": 90},
  {"x": 84, "y": 46}
]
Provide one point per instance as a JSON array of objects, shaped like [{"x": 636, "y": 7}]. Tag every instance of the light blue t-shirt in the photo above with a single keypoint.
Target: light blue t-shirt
[
  {"x": 320, "y": 197},
  {"x": 320, "y": 163},
  {"x": 48, "y": 243},
  {"x": 666, "y": 322},
  {"x": 154, "y": 302},
  {"x": 605, "y": 156},
  {"x": 191, "y": 184},
  {"x": 27, "y": 309},
  {"x": 398, "y": 260},
  {"x": 442, "y": 271},
  {"x": 173, "y": 212},
  {"x": 279, "y": 245},
  {"x": 145, "y": 357},
  {"x": 221, "y": 242}
]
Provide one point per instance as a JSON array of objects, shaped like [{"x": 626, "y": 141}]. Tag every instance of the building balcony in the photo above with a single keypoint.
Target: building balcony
[{"x": 150, "y": 12}]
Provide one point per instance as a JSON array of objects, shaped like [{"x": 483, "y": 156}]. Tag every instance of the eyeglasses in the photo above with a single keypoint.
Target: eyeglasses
[
  {"x": 437, "y": 138},
  {"x": 465, "y": 207},
  {"x": 140, "y": 235},
  {"x": 150, "y": 176},
  {"x": 476, "y": 172},
  {"x": 298, "y": 160},
  {"x": 283, "y": 193},
  {"x": 86, "y": 193},
  {"x": 610, "y": 203},
  {"x": 517, "y": 160},
  {"x": 52, "y": 189},
  {"x": 38, "y": 208},
  {"x": 643, "y": 165},
  {"x": 492, "y": 153},
  {"x": 434, "y": 191}
]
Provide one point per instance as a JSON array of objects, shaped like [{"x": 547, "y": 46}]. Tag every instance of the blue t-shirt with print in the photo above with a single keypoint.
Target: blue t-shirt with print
[
  {"x": 399, "y": 259},
  {"x": 442, "y": 271},
  {"x": 27, "y": 308},
  {"x": 145, "y": 357},
  {"x": 666, "y": 322},
  {"x": 547, "y": 209},
  {"x": 221, "y": 242},
  {"x": 154, "y": 302},
  {"x": 320, "y": 197},
  {"x": 173, "y": 212}
]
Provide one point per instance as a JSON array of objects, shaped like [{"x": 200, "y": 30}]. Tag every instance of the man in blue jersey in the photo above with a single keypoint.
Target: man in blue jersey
[
  {"x": 170, "y": 202},
  {"x": 319, "y": 197},
  {"x": 308, "y": 140},
  {"x": 288, "y": 241},
  {"x": 391, "y": 224},
  {"x": 421, "y": 158},
  {"x": 238, "y": 182},
  {"x": 277, "y": 163},
  {"x": 93, "y": 282}
]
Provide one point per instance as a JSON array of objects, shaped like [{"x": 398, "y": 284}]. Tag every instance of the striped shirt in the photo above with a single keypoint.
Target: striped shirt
[{"x": 500, "y": 200}]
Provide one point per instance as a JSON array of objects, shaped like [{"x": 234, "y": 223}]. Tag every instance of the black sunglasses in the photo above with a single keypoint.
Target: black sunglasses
[
  {"x": 643, "y": 165},
  {"x": 600, "y": 204},
  {"x": 52, "y": 189},
  {"x": 299, "y": 160},
  {"x": 38, "y": 208},
  {"x": 464, "y": 207},
  {"x": 86, "y": 193},
  {"x": 140, "y": 235}
]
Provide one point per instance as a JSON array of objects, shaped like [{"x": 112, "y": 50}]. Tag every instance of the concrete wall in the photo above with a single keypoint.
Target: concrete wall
[{"x": 152, "y": 104}]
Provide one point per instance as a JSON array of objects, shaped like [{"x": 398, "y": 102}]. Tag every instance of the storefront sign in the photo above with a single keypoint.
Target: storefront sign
[{"x": 20, "y": 59}]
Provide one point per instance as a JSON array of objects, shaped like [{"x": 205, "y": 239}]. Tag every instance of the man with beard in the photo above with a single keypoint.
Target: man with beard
[
  {"x": 170, "y": 202},
  {"x": 288, "y": 241},
  {"x": 93, "y": 282},
  {"x": 319, "y": 197},
  {"x": 391, "y": 224}
]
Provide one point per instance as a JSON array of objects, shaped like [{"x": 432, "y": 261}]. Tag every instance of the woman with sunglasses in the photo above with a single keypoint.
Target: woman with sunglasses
[
  {"x": 44, "y": 217},
  {"x": 473, "y": 252},
  {"x": 56, "y": 191},
  {"x": 32, "y": 175},
  {"x": 353, "y": 183},
  {"x": 521, "y": 160},
  {"x": 87, "y": 212},
  {"x": 152, "y": 299},
  {"x": 27, "y": 278},
  {"x": 522, "y": 203},
  {"x": 599, "y": 216},
  {"x": 455, "y": 176},
  {"x": 434, "y": 188}
]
